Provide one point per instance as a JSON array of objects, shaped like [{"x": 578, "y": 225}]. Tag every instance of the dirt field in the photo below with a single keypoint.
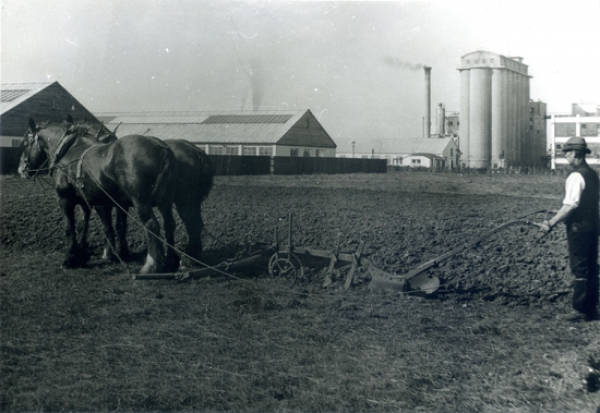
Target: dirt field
[{"x": 94, "y": 339}]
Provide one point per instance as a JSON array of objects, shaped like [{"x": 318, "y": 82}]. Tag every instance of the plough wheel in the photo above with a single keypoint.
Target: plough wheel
[{"x": 285, "y": 266}]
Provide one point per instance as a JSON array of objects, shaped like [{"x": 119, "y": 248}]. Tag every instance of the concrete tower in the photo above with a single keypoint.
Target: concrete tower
[
  {"x": 427, "y": 119},
  {"x": 494, "y": 95}
]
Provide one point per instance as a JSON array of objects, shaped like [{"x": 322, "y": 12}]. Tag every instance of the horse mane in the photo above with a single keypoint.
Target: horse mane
[
  {"x": 63, "y": 146},
  {"x": 66, "y": 142}
]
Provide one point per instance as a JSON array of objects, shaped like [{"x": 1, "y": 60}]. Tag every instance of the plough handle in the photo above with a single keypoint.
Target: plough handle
[{"x": 435, "y": 261}]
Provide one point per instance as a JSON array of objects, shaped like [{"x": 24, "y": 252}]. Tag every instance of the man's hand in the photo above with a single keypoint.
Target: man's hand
[{"x": 545, "y": 227}]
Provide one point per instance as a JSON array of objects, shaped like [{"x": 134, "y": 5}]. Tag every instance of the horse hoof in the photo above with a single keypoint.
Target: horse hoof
[
  {"x": 191, "y": 261},
  {"x": 150, "y": 266},
  {"x": 173, "y": 264},
  {"x": 71, "y": 262},
  {"x": 67, "y": 264},
  {"x": 83, "y": 256}
]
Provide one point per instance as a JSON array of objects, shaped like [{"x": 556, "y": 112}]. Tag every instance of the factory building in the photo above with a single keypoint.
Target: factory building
[
  {"x": 496, "y": 128},
  {"x": 583, "y": 121},
  {"x": 295, "y": 133}
]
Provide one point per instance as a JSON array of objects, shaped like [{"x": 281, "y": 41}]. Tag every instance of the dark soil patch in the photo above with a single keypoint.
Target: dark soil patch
[{"x": 94, "y": 339}]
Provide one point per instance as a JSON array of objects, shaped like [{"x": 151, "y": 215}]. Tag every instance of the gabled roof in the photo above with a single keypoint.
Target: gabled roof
[
  {"x": 433, "y": 146},
  {"x": 426, "y": 155},
  {"x": 589, "y": 108},
  {"x": 12, "y": 94},
  {"x": 220, "y": 127}
]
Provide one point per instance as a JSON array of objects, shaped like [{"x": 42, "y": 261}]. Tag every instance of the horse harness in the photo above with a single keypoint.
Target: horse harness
[
  {"x": 79, "y": 169},
  {"x": 63, "y": 142}
]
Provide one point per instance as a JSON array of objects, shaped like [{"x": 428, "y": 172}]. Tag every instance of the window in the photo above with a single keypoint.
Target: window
[
  {"x": 564, "y": 129},
  {"x": 416, "y": 162},
  {"x": 216, "y": 150},
  {"x": 306, "y": 153},
  {"x": 319, "y": 153},
  {"x": 249, "y": 151},
  {"x": 590, "y": 129},
  {"x": 232, "y": 150},
  {"x": 265, "y": 151},
  {"x": 451, "y": 151},
  {"x": 294, "y": 152}
]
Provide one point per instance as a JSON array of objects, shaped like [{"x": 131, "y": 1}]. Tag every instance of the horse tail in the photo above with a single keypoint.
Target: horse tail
[
  {"x": 165, "y": 176},
  {"x": 207, "y": 174}
]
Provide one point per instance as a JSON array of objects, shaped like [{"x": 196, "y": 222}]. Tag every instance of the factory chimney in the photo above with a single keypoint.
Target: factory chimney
[
  {"x": 427, "y": 119},
  {"x": 441, "y": 120}
]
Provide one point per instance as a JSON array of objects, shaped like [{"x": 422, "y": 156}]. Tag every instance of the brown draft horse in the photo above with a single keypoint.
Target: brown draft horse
[
  {"x": 193, "y": 184},
  {"x": 134, "y": 171}
]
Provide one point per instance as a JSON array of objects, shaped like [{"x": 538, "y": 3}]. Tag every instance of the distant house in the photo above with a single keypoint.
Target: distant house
[
  {"x": 260, "y": 133},
  {"x": 434, "y": 153},
  {"x": 41, "y": 101}
]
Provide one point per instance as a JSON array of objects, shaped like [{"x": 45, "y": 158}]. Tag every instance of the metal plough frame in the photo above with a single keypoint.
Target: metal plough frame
[{"x": 285, "y": 263}]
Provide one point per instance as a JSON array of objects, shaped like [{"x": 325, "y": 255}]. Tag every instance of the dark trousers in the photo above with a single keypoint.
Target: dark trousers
[{"x": 583, "y": 260}]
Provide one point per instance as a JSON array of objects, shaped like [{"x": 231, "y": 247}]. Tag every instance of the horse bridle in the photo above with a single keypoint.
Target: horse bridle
[
  {"x": 71, "y": 130},
  {"x": 34, "y": 139},
  {"x": 45, "y": 147}
]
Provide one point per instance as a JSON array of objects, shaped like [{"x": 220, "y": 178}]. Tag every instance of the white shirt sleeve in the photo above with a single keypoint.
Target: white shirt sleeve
[{"x": 574, "y": 186}]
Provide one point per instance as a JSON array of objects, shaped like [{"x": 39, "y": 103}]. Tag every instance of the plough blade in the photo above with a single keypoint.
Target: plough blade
[{"x": 416, "y": 284}]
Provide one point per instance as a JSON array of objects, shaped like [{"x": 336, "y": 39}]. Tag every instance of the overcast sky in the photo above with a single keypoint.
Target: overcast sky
[{"x": 357, "y": 65}]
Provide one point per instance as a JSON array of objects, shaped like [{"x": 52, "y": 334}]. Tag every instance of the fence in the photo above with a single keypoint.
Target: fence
[
  {"x": 264, "y": 165},
  {"x": 253, "y": 165},
  {"x": 9, "y": 159}
]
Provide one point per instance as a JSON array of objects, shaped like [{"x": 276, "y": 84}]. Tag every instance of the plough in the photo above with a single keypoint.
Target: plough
[{"x": 284, "y": 262}]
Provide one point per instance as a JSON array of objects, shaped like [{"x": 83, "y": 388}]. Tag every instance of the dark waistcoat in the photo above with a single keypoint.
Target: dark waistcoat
[{"x": 585, "y": 217}]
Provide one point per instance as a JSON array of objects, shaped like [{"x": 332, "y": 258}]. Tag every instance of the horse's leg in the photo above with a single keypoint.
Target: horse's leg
[
  {"x": 172, "y": 260},
  {"x": 122, "y": 245},
  {"x": 192, "y": 219},
  {"x": 155, "y": 257},
  {"x": 105, "y": 214},
  {"x": 84, "y": 248},
  {"x": 67, "y": 206}
]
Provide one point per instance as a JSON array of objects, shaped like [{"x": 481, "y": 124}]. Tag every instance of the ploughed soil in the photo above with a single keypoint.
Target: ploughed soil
[{"x": 490, "y": 339}]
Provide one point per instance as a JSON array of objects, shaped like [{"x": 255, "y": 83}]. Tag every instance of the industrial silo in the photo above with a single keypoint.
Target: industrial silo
[{"x": 494, "y": 130}]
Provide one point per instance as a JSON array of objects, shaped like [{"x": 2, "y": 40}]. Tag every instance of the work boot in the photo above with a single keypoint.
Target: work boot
[
  {"x": 593, "y": 315},
  {"x": 578, "y": 316}
]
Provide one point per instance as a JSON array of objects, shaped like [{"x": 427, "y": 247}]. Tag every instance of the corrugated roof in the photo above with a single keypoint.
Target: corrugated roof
[
  {"x": 398, "y": 146},
  {"x": 12, "y": 94},
  {"x": 434, "y": 146},
  {"x": 219, "y": 127}
]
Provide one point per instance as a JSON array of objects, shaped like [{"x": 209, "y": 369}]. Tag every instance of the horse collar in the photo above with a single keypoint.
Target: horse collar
[{"x": 79, "y": 171}]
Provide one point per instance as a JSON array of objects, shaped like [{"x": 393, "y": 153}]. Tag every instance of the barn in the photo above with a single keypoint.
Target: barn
[
  {"x": 42, "y": 101},
  {"x": 247, "y": 133}
]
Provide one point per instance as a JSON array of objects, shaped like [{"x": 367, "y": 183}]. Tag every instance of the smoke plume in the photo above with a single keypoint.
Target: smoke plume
[{"x": 402, "y": 64}]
